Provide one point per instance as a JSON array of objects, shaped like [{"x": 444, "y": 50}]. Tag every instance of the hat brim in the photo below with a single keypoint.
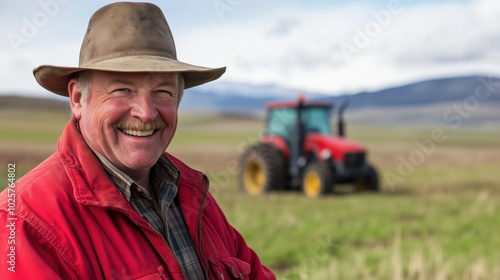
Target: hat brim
[{"x": 56, "y": 78}]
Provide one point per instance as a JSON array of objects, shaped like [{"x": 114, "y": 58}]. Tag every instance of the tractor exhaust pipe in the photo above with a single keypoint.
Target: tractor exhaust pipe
[
  {"x": 340, "y": 118},
  {"x": 297, "y": 142}
]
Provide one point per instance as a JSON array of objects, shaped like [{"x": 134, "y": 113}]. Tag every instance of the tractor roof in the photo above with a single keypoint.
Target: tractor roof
[{"x": 295, "y": 104}]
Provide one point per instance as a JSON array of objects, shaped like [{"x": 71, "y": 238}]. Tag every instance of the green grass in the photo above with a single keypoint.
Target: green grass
[
  {"x": 293, "y": 233},
  {"x": 439, "y": 222}
]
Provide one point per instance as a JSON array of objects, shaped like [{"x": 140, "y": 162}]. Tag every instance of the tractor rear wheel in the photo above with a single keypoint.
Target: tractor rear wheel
[
  {"x": 262, "y": 169},
  {"x": 369, "y": 181},
  {"x": 317, "y": 180}
]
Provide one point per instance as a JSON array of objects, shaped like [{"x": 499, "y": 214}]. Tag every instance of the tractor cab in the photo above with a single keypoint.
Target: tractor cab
[
  {"x": 299, "y": 151},
  {"x": 282, "y": 118}
]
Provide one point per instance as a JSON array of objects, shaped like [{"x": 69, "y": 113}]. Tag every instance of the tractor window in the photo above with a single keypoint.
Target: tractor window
[
  {"x": 317, "y": 119},
  {"x": 281, "y": 122}
]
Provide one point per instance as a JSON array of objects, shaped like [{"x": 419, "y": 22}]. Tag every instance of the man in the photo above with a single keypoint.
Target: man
[{"x": 110, "y": 203}]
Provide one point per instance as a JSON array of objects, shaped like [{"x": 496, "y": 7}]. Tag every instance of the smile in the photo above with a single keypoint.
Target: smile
[{"x": 139, "y": 133}]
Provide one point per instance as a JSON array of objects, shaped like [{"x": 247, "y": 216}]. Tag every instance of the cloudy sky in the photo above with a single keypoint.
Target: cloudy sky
[{"x": 329, "y": 46}]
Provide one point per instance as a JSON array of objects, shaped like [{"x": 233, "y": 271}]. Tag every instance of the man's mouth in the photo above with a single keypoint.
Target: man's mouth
[
  {"x": 139, "y": 129},
  {"x": 139, "y": 133}
]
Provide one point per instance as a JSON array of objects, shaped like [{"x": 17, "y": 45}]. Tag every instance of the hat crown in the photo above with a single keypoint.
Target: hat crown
[
  {"x": 124, "y": 29},
  {"x": 126, "y": 37}
]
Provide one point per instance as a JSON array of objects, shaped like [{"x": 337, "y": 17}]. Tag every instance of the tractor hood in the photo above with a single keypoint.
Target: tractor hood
[{"x": 337, "y": 146}]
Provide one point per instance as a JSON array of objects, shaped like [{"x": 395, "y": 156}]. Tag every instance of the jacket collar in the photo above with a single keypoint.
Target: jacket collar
[{"x": 91, "y": 184}]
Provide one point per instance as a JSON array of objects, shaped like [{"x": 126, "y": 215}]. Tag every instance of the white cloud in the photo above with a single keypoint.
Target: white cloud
[
  {"x": 299, "y": 47},
  {"x": 418, "y": 42},
  {"x": 17, "y": 77}
]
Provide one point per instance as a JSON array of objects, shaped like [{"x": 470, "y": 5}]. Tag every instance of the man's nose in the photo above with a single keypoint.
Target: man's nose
[{"x": 144, "y": 107}]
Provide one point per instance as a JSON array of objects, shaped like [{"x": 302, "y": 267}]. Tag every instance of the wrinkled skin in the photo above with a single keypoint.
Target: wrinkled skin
[{"x": 130, "y": 118}]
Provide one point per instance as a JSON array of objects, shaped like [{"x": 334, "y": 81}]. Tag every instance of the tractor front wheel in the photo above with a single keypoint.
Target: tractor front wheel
[
  {"x": 262, "y": 169},
  {"x": 369, "y": 181},
  {"x": 317, "y": 180}
]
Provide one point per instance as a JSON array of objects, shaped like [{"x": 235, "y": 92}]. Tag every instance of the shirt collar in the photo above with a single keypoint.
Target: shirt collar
[{"x": 163, "y": 170}]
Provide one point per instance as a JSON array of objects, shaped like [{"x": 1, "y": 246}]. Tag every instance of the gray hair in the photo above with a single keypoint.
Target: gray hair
[{"x": 84, "y": 79}]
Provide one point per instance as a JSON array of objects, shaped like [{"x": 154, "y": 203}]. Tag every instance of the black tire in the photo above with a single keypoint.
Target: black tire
[
  {"x": 369, "y": 181},
  {"x": 263, "y": 169},
  {"x": 317, "y": 180}
]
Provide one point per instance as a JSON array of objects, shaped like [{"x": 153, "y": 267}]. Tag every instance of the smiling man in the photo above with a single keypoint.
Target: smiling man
[{"x": 110, "y": 203}]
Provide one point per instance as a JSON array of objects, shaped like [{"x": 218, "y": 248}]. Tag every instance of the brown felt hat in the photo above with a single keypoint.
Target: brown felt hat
[{"x": 126, "y": 37}]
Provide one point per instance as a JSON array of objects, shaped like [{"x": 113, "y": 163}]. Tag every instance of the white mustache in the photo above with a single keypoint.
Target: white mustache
[{"x": 135, "y": 124}]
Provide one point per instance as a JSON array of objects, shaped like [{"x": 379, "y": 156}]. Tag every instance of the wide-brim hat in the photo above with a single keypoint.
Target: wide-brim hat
[{"x": 126, "y": 37}]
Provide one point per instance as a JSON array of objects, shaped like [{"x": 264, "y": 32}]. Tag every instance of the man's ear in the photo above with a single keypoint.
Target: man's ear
[{"x": 75, "y": 98}]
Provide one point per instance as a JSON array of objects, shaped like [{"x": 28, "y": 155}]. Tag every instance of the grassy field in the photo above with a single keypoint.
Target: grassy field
[{"x": 437, "y": 216}]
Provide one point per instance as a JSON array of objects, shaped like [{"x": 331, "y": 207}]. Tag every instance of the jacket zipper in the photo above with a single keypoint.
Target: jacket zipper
[
  {"x": 157, "y": 208},
  {"x": 170, "y": 249},
  {"x": 202, "y": 206}
]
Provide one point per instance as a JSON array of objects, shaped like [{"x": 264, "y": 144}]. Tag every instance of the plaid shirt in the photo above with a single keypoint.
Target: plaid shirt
[{"x": 163, "y": 215}]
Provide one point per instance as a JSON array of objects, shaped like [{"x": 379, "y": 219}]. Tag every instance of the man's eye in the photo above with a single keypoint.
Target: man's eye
[
  {"x": 164, "y": 92},
  {"x": 121, "y": 90}
]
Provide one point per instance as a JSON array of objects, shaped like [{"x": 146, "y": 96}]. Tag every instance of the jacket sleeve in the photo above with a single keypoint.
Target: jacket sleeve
[
  {"x": 26, "y": 254},
  {"x": 242, "y": 250}
]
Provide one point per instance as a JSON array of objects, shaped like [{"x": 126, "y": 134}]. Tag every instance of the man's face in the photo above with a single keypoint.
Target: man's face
[{"x": 130, "y": 118}]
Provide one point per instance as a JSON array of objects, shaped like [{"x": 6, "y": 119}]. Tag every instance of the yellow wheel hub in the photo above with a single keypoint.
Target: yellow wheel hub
[
  {"x": 312, "y": 184},
  {"x": 254, "y": 176}
]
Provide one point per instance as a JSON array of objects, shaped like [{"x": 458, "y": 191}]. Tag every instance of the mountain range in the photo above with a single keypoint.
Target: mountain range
[{"x": 472, "y": 100}]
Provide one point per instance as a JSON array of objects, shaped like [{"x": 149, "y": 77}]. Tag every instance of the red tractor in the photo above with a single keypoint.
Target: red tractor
[{"x": 298, "y": 151}]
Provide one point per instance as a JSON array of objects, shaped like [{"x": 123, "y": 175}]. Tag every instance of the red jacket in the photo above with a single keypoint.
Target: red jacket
[{"x": 71, "y": 222}]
